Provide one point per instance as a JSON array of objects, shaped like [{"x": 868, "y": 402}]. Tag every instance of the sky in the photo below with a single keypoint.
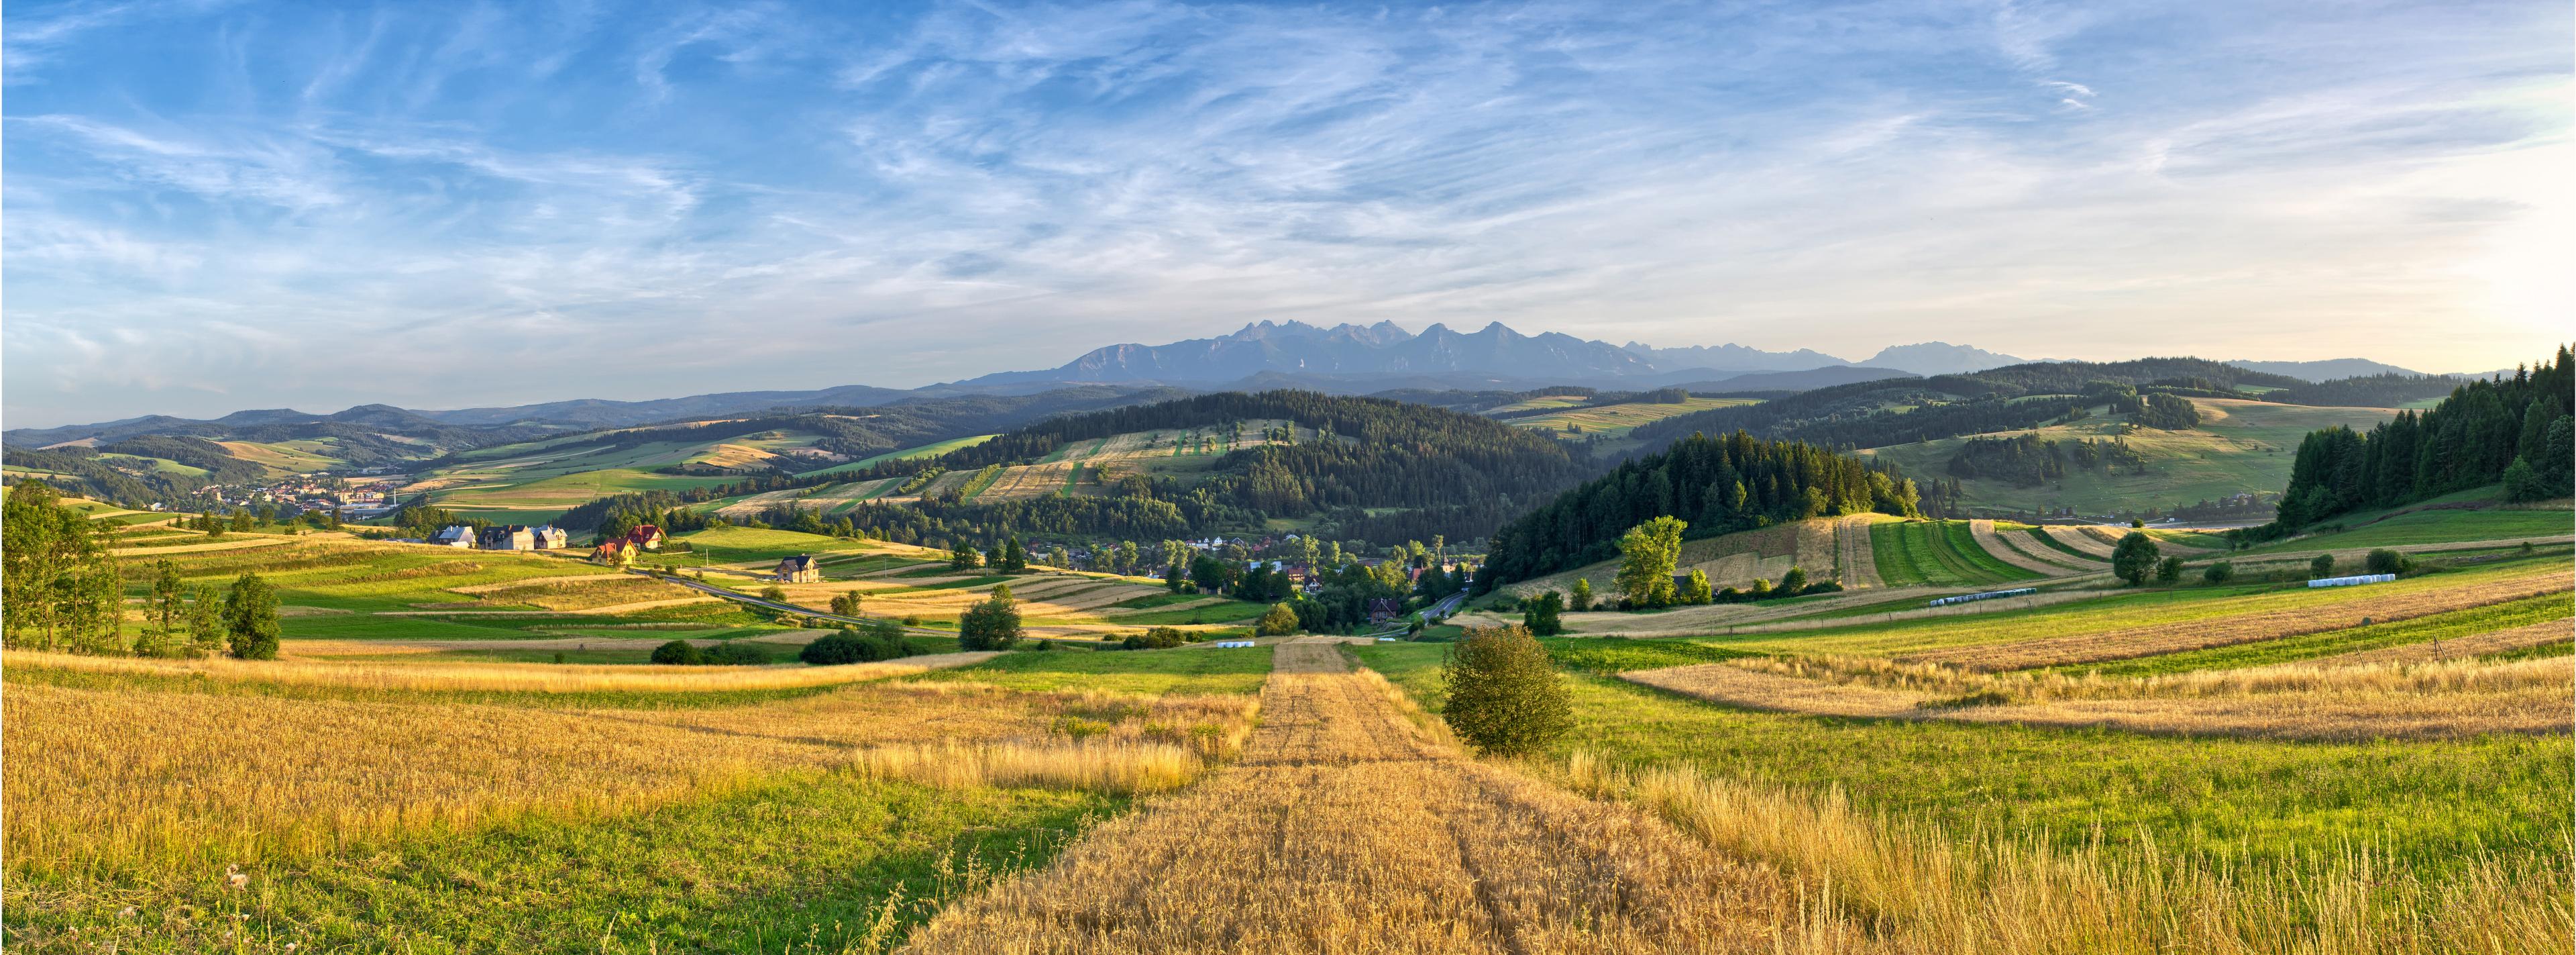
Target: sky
[{"x": 210, "y": 206}]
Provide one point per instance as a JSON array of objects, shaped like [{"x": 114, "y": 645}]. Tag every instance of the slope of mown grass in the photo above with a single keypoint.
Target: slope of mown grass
[
  {"x": 2436, "y": 527},
  {"x": 1956, "y": 540},
  {"x": 2423, "y": 806},
  {"x": 1896, "y": 565},
  {"x": 931, "y": 450},
  {"x": 2050, "y": 541}
]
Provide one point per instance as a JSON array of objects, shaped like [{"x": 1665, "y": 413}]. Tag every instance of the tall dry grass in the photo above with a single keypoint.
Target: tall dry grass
[
  {"x": 1918, "y": 889},
  {"x": 1124, "y": 769},
  {"x": 2431, "y": 676}
]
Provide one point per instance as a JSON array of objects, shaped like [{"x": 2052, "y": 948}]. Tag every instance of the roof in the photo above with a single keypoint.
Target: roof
[
  {"x": 645, "y": 530},
  {"x": 799, "y": 562}
]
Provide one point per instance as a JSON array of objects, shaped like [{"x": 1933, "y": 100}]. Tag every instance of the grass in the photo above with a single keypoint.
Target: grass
[
  {"x": 737, "y": 544},
  {"x": 2426, "y": 806},
  {"x": 2049, "y": 540},
  {"x": 833, "y": 860},
  {"x": 2439, "y": 626},
  {"x": 1607, "y": 657},
  {"x": 1188, "y": 671},
  {"x": 1957, "y": 547},
  {"x": 2240, "y": 446},
  {"x": 931, "y": 450},
  {"x": 1615, "y": 420},
  {"x": 2434, "y": 527}
]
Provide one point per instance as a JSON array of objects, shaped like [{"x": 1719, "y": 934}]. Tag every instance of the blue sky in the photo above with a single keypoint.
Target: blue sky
[{"x": 215, "y": 206}]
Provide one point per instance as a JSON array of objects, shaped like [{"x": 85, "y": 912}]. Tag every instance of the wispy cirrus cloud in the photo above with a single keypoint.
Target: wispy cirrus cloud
[{"x": 800, "y": 195}]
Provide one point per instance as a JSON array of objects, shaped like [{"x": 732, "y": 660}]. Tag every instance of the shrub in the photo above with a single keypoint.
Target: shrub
[
  {"x": 1581, "y": 599},
  {"x": 734, "y": 653},
  {"x": 1279, "y": 621},
  {"x": 2218, "y": 573},
  {"x": 991, "y": 625},
  {"x": 1794, "y": 582},
  {"x": 834, "y": 649},
  {"x": 1504, "y": 696},
  {"x": 678, "y": 653},
  {"x": 774, "y": 594},
  {"x": 1541, "y": 614},
  {"x": 2135, "y": 558},
  {"x": 2169, "y": 571},
  {"x": 2385, "y": 561},
  {"x": 1158, "y": 638},
  {"x": 2323, "y": 566}
]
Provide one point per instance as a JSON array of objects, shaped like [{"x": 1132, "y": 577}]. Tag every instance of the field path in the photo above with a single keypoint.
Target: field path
[{"x": 1347, "y": 829}]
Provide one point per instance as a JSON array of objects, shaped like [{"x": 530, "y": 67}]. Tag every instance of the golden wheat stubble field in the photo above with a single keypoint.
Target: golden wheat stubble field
[
  {"x": 1348, "y": 828},
  {"x": 132, "y": 780}
]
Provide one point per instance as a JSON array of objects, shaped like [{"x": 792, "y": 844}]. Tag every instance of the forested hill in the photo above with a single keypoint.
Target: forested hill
[
  {"x": 1719, "y": 485},
  {"x": 2515, "y": 430},
  {"x": 1874, "y": 414},
  {"x": 1450, "y": 473}
]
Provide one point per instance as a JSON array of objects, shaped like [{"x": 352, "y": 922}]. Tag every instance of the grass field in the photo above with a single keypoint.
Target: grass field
[
  {"x": 930, "y": 450},
  {"x": 2240, "y": 446},
  {"x": 1612, "y": 421},
  {"x": 1940, "y": 553}
]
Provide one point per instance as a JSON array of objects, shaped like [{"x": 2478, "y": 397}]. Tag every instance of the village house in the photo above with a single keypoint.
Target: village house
[
  {"x": 616, "y": 553},
  {"x": 646, "y": 537},
  {"x": 1383, "y": 609},
  {"x": 800, "y": 569},
  {"x": 549, "y": 537},
  {"x": 454, "y": 535},
  {"x": 508, "y": 537}
]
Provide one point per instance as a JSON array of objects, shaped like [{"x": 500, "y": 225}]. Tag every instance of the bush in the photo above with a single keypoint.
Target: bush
[
  {"x": 678, "y": 653},
  {"x": 991, "y": 625},
  {"x": 774, "y": 594},
  {"x": 1504, "y": 695},
  {"x": 1543, "y": 614},
  {"x": 1158, "y": 638},
  {"x": 2323, "y": 566},
  {"x": 2135, "y": 558},
  {"x": 2169, "y": 571},
  {"x": 1794, "y": 582},
  {"x": 882, "y": 641},
  {"x": 1280, "y": 621},
  {"x": 2218, "y": 573},
  {"x": 735, "y": 654},
  {"x": 2385, "y": 561}
]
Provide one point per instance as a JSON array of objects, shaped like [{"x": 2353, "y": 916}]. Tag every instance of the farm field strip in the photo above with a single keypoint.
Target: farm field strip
[
  {"x": 1957, "y": 545},
  {"x": 2002, "y": 549},
  {"x": 2527, "y": 697},
  {"x": 2428, "y": 635},
  {"x": 2043, "y": 541},
  {"x": 2303, "y": 617},
  {"x": 2426, "y": 651},
  {"x": 1856, "y": 561},
  {"x": 1344, "y": 828},
  {"x": 2082, "y": 539}
]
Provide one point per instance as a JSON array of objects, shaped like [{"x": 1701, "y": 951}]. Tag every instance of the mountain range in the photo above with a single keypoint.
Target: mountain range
[{"x": 1342, "y": 359}]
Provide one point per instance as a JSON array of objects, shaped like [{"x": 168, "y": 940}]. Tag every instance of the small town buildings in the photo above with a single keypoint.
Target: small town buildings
[
  {"x": 508, "y": 537},
  {"x": 616, "y": 553},
  {"x": 454, "y": 535},
  {"x": 549, "y": 537},
  {"x": 1383, "y": 609},
  {"x": 646, "y": 537},
  {"x": 800, "y": 569}
]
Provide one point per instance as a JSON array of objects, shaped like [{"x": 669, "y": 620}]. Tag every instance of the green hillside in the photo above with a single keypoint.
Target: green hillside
[{"x": 2239, "y": 447}]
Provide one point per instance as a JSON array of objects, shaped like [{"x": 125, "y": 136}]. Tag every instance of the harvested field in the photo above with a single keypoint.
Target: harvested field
[
  {"x": 2498, "y": 641},
  {"x": 2244, "y": 628},
  {"x": 229, "y": 542},
  {"x": 495, "y": 677},
  {"x": 2080, "y": 540},
  {"x": 585, "y": 593},
  {"x": 2330, "y": 705},
  {"x": 1995, "y": 545},
  {"x": 1347, "y": 829},
  {"x": 1816, "y": 551},
  {"x": 1859, "y": 566}
]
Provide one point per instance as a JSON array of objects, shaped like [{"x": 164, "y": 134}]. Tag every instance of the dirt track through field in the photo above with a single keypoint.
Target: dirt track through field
[{"x": 1347, "y": 829}]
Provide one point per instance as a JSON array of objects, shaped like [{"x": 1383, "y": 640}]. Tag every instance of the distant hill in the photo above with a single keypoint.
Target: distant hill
[
  {"x": 1811, "y": 378},
  {"x": 1343, "y": 350},
  {"x": 2326, "y": 370},
  {"x": 1730, "y": 358},
  {"x": 1940, "y": 358},
  {"x": 597, "y": 413}
]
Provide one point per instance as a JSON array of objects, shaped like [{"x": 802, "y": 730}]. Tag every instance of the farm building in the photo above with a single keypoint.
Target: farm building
[
  {"x": 1383, "y": 609},
  {"x": 800, "y": 569},
  {"x": 549, "y": 537},
  {"x": 646, "y": 537},
  {"x": 508, "y": 537},
  {"x": 616, "y": 553},
  {"x": 455, "y": 535}
]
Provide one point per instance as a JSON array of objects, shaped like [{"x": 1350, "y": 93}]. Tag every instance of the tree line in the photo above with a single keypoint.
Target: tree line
[
  {"x": 1737, "y": 482},
  {"x": 2511, "y": 430},
  {"x": 2028, "y": 460},
  {"x": 61, "y": 589}
]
